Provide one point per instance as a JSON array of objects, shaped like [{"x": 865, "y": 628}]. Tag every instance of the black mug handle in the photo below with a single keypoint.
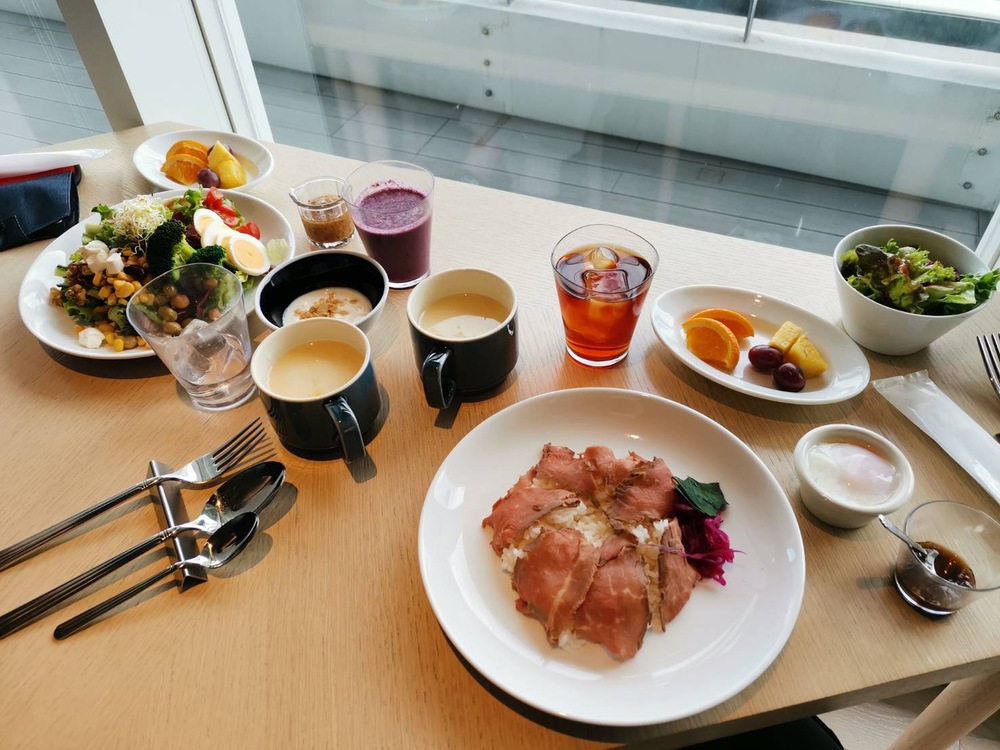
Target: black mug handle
[
  {"x": 351, "y": 440},
  {"x": 438, "y": 390}
]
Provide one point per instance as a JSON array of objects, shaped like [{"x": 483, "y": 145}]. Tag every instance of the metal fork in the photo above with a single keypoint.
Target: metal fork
[
  {"x": 989, "y": 348},
  {"x": 200, "y": 472}
]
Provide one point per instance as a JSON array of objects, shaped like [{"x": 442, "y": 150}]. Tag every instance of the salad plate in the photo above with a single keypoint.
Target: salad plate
[
  {"x": 151, "y": 154},
  {"x": 51, "y": 324},
  {"x": 847, "y": 374},
  {"x": 720, "y": 642}
]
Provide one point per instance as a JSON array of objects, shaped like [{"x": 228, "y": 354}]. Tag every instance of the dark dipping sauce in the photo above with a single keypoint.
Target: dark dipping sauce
[
  {"x": 928, "y": 592},
  {"x": 951, "y": 566}
]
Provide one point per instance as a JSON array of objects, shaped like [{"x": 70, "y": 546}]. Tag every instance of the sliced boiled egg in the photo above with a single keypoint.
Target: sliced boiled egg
[
  {"x": 248, "y": 254},
  {"x": 214, "y": 233},
  {"x": 203, "y": 218}
]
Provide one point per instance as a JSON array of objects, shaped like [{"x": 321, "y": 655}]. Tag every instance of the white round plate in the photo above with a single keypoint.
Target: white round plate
[
  {"x": 52, "y": 326},
  {"x": 720, "y": 642},
  {"x": 847, "y": 374},
  {"x": 152, "y": 153}
]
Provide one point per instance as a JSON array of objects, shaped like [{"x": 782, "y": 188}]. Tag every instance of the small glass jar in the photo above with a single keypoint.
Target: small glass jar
[{"x": 324, "y": 213}]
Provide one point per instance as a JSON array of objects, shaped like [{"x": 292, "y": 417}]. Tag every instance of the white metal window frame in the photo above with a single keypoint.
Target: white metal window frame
[
  {"x": 209, "y": 79},
  {"x": 181, "y": 60}
]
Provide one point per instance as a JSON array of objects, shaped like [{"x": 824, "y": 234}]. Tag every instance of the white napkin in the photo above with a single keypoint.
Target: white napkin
[
  {"x": 15, "y": 165},
  {"x": 961, "y": 437}
]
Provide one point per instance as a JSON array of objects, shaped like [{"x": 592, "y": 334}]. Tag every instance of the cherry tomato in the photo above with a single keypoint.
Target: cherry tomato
[
  {"x": 213, "y": 199},
  {"x": 250, "y": 228}
]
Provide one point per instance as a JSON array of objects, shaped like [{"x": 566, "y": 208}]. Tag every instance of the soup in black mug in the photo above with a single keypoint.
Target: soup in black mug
[
  {"x": 318, "y": 385},
  {"x": 463, "y": 324}
]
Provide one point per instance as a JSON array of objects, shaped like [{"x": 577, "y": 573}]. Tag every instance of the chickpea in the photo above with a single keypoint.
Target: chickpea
[
  {"x": 180, "y": 301},
  {"x": 168, "y": 291},
  {"x": 130, "y": 342},
  {"x": 172, "y": 328},
  {"x": 167, "y": 314},
  {"x": 214, "y": 314},
  {"x": 211, "y": 282},
  {"x": 147, "y": 298}
]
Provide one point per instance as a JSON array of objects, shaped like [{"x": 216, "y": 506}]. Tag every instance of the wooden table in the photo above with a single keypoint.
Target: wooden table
[{"x": 324, "y": 637}]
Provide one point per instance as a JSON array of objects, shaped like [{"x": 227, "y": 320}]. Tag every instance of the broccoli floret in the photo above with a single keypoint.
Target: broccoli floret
[
  {"x": 213, "y": 254},
  {"x": 167, "y": 248}
]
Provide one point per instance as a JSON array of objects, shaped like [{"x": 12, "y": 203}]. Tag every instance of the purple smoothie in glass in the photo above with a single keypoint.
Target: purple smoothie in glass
[{"x": 394, "y": 222}]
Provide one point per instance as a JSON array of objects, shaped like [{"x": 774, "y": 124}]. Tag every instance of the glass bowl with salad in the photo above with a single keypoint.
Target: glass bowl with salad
[
  {"x": 902, "y": 287},
  {"x": 131, "y": 243}
]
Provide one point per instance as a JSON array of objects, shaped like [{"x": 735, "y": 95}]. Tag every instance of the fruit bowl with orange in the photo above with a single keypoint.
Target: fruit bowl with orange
[{"x": 206, "y": 158}]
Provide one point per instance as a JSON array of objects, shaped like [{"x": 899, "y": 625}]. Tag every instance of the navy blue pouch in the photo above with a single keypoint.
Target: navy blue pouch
[{"x": 39, "y": 206}]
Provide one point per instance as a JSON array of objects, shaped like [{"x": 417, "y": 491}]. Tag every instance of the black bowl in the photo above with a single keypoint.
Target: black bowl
[{"x": 316, "y": 270}]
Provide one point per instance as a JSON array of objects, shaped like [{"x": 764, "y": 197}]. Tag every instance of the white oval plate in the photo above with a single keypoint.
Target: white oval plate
[
  {"x": 721, "y": 641},
  {"x": 152, "y": 153},
  {"x": 52, "y": 326},
  {"x": 848, "y": 371}
]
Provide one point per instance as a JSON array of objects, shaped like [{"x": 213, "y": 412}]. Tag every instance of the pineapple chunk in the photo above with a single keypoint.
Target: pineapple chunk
[
  {"x": 786, "y": 336},
  {"x": 805, "y": 354}
]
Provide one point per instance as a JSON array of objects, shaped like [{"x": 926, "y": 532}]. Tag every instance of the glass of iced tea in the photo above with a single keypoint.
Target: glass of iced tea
[{"x": 602, "y": 273}]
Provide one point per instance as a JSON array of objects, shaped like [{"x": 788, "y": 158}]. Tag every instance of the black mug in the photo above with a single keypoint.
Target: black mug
[
  {"x": 463, "y": 323},
  {"x": 329, "y": 414}
]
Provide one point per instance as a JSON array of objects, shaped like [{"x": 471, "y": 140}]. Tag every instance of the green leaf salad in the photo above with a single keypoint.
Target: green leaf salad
[{"x": 905, "y": 278}]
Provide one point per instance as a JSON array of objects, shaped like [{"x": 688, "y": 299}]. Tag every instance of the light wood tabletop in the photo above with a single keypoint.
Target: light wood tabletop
[{"x": 321, "y": 635}]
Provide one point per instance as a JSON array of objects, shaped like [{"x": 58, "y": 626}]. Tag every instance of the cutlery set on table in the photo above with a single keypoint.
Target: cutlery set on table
[{"x": 229, "y": 519}]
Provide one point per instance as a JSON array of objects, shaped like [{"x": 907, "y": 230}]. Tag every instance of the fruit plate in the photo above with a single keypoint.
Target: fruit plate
[
  {"x": 53, "y": 327},
  {"x": 723, "y": 639},
  {"x": 151, "y": 154},
  {"x": 847, "y": 374}
]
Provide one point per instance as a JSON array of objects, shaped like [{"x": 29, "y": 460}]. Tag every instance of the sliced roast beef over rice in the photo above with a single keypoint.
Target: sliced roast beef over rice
[
  {"x": 609, "y": 471},
  {"x": 562, "y": 467},
  {"x": 677, "y": 577},
  {"x": 615, "y": 612},
  {"x": 519, "y": 508},
  {"x": 647, "y": 495},
  {"x": 554, "y": 576},
  {"x": 593, "y": 547}
]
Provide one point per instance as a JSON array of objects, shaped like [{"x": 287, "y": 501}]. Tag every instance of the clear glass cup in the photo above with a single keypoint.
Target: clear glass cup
[
  {"x": 602, "y": 274},
  {"x": 323, "y": 211},
  {"x": 957, "y": 529},
  {"x": 194, "y": 318},
  {"x": 391, "y": 203}
]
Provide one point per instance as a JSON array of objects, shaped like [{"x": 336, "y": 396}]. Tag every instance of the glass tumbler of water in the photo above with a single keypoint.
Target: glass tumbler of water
[
  {"x": 603, "y": 274},
  {"x": 194, "y": 318}
]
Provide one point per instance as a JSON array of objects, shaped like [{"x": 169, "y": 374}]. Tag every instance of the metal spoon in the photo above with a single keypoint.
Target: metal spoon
[
  {"x": 925, "y": 556},
  {"x": 247, "y": 491},
  {"x": 219, "y": 549}
]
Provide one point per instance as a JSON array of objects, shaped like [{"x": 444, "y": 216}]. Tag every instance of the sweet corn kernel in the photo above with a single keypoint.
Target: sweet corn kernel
[
  {"x": 109, "y": 337},
  {"x": 112, "y": 300},
  {"x": 103, "y": 292},
  {"x": 98, "y": 277},
  {"x": 118, "y": 344},
  {"x": 123, "y": 289},
  {"x": 141, "y": 342}
]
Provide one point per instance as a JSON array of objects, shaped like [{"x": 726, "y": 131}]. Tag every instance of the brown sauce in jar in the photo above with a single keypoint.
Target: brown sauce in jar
[{"x": 329, "y": 222}]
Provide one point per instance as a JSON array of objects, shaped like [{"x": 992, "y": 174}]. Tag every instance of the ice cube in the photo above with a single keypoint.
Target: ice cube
[
  {"x": 614, "y": 281},
  {"x": 603, "y": 258},
  {"x": 192, "y": 327}
]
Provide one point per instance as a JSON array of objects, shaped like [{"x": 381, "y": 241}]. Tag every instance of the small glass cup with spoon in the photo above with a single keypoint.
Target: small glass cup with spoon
[{"x": 949, "y": 558}]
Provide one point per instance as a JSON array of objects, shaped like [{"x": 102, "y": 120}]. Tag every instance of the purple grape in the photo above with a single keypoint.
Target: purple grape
[
  {"x": 764, "y": 357},
  {"x": 208, "y": 178},
  {"x": 789, "y": 377}
]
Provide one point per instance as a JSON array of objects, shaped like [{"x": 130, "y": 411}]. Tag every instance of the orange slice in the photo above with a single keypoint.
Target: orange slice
[
  {"x": 739, "y": 325},
  {"x": 712, "y": 342},
  {"x": 187, "y": 148},
  {"x": 183, "y": 169}
]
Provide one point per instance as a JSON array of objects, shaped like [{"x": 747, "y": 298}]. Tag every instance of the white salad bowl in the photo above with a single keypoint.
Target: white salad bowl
[{"x": 884, "y": 329}]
